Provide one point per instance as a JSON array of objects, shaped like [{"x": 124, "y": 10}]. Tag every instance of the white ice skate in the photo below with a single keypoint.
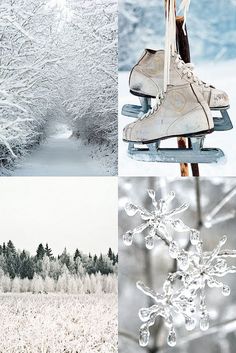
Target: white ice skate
[
  {"x": 146, "y": 81},
  {"x": 182, "y": 111}
]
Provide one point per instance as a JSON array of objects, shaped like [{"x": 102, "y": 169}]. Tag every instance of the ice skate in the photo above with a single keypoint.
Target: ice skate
[
  {"x": 146, "y": 81},
  {"x": 181, "y": 111}
]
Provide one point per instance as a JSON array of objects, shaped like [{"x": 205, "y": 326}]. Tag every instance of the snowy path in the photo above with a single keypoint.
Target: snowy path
[
  {"x": 59, "y": 155},
  {"x": 218, "y": 74}
]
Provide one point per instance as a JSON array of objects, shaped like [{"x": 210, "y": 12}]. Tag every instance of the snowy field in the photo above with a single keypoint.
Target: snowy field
[
  {"x": 222, "y": 76},
  {"x": 58, "y": 323}
]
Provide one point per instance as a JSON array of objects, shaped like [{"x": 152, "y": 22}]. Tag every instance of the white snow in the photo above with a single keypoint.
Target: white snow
[
  {"x": 58, "y": 323},
  {"x": 221, "y": 75},
  {"x": 60, "y": 155}
]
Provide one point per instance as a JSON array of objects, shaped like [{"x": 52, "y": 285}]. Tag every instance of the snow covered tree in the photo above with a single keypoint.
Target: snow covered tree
[
  {"x": 46, "y": 265},
  {"x": 48, "y": 251},
  {"x": 49, "y": 284},
  {"x": 25, "y": 56},
  {"x": 5, "y": 283},
  {"x": 25, "y": 285},
  {"x": 72, "y": 286},
  {"x": 58, "y": 62},
  {"x": 80, "y": 286},
  {"x": 37, "y": 284},
  {"x": 16, "y": 285}
]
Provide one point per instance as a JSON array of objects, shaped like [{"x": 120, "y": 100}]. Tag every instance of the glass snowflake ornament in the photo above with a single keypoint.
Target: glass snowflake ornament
[
  {"x": 204, "y": 269},
  {"x": 184, "y": 291},
  {"x": 166, "y": 305},
  {"x": 156, "y": 220}
]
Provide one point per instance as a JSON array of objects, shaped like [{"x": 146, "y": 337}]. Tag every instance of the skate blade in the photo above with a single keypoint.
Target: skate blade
[
  {"x": 174, "y": 155},
  {"x": 133, "y": 111}
]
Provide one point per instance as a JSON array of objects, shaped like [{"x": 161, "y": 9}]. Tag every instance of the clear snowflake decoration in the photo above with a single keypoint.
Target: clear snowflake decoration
[
  {"x": 156, "y": 220},
  {"x": 204, "y": 269},
  {"x": 196, "y": 270},
  {"x": 166, "y": 305}
]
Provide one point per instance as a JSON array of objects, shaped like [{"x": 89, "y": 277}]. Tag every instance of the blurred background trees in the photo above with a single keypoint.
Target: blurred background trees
[{"x": 141, "y": 25}]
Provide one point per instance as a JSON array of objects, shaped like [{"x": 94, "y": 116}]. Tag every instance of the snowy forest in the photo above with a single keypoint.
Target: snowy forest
[
  {"x": 58, "y": 66},
  {"x": 211, "y": 29},
  {"x": 43, "y": 272}
]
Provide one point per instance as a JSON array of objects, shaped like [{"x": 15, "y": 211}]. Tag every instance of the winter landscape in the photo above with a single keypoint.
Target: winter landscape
[
  {"x": 58, "y": 87},
  {"x": 213, "y": 53},
  {"x": 58, "y": 298},
  {"x": 55, "y": 303}
]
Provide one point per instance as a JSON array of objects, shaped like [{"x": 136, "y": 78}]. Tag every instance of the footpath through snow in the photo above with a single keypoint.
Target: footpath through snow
[{"x": 59, "y": 155}]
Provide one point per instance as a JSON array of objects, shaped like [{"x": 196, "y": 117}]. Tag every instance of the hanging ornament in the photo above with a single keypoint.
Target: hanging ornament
[{"x": 184, "y": 291}]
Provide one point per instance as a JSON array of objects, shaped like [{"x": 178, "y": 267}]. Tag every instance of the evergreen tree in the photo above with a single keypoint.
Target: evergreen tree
[
  {"x": 10, "y": 262},
  {"x": 3, "y": 265},
  {"x": 90, "y": 268},
  {"x": 48, "y": 252},
  {"x": 4, "y": 249},
  {"x": 77, "y": 254},
  {"x": 40, "y": 252},
  {"x": 1, "y": 250},
  {"x": 10, "y": 249},
  {"x": 100, "y": 264},
  {"x": 110, "y": 254},
  {"x": 65, "y": 258},
  {"x": 26, "y": 268}
]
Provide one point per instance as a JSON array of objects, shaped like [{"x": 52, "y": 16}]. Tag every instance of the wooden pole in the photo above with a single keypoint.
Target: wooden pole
[
  {"x": 184, "y": 51},
  {"x": 182, "y": 142}
]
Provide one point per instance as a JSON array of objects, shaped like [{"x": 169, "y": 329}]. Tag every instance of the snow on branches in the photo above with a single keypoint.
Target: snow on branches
[
  {"x": 58, "y": 60},
  {"x": 26, "y": 62},
  {"x": 91, "y": 96},
  {"x": 184, "y": 291}
]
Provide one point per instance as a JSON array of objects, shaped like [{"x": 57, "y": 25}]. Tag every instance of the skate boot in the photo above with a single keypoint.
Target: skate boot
[
  {"x": 182, "y": 111},
  {"x": 146, "y": 78}
]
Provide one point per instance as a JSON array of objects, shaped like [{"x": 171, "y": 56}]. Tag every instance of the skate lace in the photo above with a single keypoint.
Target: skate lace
[
  {"x": 185, "y": 7},
  {"x": 170, "y": 34},
  {"x": 187, "y": 69},
  {"x": 159, "y": 100}
]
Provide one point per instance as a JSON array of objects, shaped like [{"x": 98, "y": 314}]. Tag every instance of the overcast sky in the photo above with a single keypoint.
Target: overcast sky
[{"x": 64, "y": 212}]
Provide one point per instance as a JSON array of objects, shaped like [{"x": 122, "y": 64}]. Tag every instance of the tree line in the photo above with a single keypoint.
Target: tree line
[{"x": 23, "y": 265}]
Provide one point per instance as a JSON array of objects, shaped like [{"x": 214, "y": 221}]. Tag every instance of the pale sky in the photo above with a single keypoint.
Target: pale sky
[{"x": 64, "y": 212}]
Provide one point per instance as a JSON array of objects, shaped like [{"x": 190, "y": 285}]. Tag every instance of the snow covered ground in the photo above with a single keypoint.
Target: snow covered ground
[
  {"x": 222, "y": 76},
  {"x": 58, "y": 323},
  {"x": 60, "y": 155}
]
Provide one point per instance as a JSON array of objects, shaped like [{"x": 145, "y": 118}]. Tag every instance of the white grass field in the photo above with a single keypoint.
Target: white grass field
[{"x": 58, "y": 323}]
